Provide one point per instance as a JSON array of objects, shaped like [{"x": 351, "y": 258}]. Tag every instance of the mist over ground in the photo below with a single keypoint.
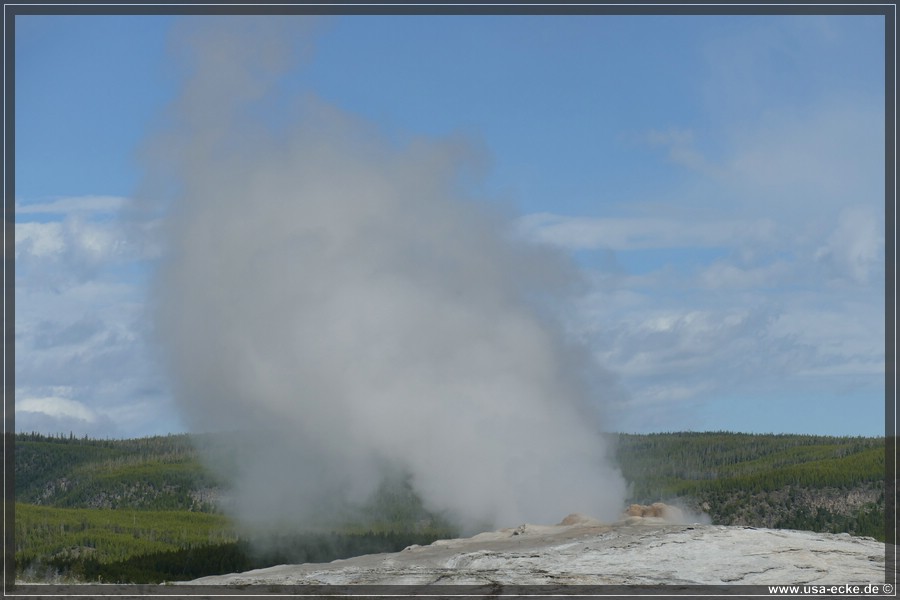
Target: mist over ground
[{"x": 341, "y": 294}]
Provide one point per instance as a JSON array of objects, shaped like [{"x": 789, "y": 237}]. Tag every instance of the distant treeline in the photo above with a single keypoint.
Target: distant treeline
[
  {"x": 155, "y": 473},
  {"x": 819, "y": 483},
  {"x": 684, "y": 463},
  {"x": 146, "y": 510}
]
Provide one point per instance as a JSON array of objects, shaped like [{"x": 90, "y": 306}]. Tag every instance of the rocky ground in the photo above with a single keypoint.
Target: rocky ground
[{"x": 648, "y": 546}]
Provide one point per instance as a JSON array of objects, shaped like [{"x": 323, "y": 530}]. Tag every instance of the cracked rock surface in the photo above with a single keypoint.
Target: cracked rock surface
[{"x": 634, "y": 551}]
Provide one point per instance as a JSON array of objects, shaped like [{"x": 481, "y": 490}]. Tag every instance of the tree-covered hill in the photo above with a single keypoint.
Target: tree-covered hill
[
  {"x": 146, "y": 510},
  {"x": 826, "y": 484},
  {"x": 156, "y": 473}
]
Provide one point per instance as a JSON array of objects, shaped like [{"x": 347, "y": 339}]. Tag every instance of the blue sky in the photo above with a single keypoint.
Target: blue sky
[{"x": 718, "y": 180}]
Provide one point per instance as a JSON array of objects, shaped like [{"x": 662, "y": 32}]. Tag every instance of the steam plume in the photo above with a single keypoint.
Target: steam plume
[{"x": 338, "y": 294}]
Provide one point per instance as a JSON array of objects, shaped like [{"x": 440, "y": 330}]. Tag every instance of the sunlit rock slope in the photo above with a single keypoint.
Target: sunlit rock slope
[{"x": 637, "y": 550}]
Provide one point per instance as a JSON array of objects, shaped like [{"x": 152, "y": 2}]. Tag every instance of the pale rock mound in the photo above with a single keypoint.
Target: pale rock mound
[
  {"x": 579, "y": 519},
  {"x": 658, "y": 510},
  {"x": 646, "y": 547}
]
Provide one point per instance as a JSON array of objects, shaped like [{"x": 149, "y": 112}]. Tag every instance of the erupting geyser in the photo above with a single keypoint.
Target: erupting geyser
[{"x": 339, "y": 295}]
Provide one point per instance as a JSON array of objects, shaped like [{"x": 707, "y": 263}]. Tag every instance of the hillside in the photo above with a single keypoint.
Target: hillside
[
  {"x": 156, "y": 473},
  {"x": 815, "y": 483},
  {"x": 166, "y": 524}
]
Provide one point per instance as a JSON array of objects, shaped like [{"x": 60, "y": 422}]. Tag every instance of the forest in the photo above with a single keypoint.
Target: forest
[{"x": 148, "y": 511}]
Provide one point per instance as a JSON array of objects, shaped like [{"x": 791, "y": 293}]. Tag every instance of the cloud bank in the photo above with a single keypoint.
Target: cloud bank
[
  {"x": 81, "y": 362},
  {"x": 752, "y": 284},
  {"x": 339, "y": 294}
]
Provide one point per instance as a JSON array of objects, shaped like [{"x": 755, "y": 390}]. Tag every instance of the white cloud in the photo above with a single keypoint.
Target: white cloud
[
  {"x": 83, "y": 357},
  {"x": 88, "y": 335},
  {"x": 680, "y": 352},
  {"x": 855, "y": 368},
  {"x": 95, "y": 242},
  {"x": 86, "y": 229},
  {"x": 638, "y": 233},
  {"x": 56, "y": 407},
  {"x": 77, "y": 242},
  {"x": 725, "y": 275},
  {"x": 82, "y": 246},
  {"x": 844, "y": 333},
  {"x": 792, "y": 199},
  {"x": 60, "y": 414},
  {"x": 855, "y": 247},
  {"x": 657, "y": 394},
  {"x": 73, "y": 204},
  {"x": 42, "y": 240},
  {"x": 679, "y": 341}
]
